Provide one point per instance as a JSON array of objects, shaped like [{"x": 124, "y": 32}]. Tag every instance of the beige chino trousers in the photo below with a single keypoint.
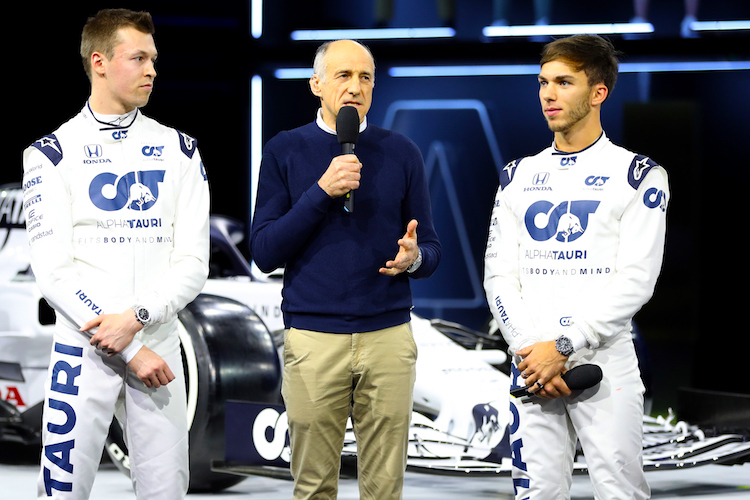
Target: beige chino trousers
[{"x": 331, "y": 376}]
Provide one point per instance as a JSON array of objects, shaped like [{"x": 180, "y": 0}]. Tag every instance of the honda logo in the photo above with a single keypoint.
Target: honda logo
[{"x": 93, "y": 150}]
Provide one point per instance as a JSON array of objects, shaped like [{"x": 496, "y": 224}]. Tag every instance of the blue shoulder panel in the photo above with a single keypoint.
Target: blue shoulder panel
[
  {"x": 187, "y": 144},
  {"x": 638, "y": 169},
  {"x": 50, "y": 146},
  {"x": 509, "y": 170}
]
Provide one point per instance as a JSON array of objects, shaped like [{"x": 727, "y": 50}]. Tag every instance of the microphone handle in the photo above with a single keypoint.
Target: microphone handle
[
  {"x": 347, "y": 148},
  {"x": 590, "y": 375}
]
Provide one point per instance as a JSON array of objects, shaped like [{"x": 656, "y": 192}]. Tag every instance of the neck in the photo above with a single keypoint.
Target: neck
[
  {"x": 103, "y": 109},
  {"x": 577, "y": 142},
  {"x": 332, "y": 129},
  {"x": 101, "y": 104},
  {"x": 579, "y": 136}
]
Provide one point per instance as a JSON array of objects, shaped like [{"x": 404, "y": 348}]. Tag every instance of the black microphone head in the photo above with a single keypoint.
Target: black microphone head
[
  {"x": 347, "y": 125},
  {"x": 583, "y": 376}
]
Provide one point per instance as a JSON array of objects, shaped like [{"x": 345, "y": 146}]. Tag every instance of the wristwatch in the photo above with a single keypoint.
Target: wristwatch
[
  {"x": 143, "y": 316},
  {"x": 564, "y": 345},
  {"x": 417, "y": 262}
]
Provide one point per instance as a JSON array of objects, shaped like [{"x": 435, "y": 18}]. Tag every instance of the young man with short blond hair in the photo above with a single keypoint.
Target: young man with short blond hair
[{"x": 117, "y": 210}]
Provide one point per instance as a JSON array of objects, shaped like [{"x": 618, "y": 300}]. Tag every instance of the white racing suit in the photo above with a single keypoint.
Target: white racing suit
[
  {"x": 575, "y": 247},
  {"x": 116, "y": 216}
]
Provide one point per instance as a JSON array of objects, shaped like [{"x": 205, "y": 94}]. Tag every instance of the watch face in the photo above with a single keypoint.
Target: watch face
[
  {"x": 143, "y": 314},
  {"x": 564, "y": 346}
]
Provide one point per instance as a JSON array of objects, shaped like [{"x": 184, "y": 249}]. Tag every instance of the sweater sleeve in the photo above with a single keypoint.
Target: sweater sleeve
[
  {"x": 280, "y": 230},
  {"x": 418, "y": 206}
]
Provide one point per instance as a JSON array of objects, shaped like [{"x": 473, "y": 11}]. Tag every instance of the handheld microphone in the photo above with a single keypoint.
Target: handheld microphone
[
  {"x": 347, "y": 133},
  {"x": 579, "y": 378}
]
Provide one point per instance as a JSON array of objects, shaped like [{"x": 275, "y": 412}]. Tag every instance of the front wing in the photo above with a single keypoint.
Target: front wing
[{"x": 256, "y": 447}]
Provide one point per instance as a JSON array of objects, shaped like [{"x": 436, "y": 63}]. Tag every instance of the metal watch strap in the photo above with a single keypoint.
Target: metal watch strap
[{"x": 417, "y": 262}]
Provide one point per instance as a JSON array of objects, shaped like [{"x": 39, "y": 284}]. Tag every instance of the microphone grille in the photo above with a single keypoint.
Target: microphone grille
[
  {"x": 347, "y": 125},
  {"x": 583, "y": 376}
]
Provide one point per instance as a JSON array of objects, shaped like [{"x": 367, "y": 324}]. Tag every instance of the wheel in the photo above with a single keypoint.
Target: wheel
[{"x": 227, "y": 353}]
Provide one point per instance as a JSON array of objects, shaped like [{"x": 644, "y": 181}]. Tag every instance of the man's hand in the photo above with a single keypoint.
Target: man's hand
[
  {"x": 544, "y": 364},
  {"x": 342, "y": 176},
  {"x": 115, "y": 333},
  {"x": 407, "y": 252},
  {"x": 555, "y": 388},
  {"x": 151, "y": 368}
]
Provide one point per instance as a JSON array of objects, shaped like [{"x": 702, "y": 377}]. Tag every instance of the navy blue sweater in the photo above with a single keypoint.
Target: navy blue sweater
[{"x": 331, "y": 257}]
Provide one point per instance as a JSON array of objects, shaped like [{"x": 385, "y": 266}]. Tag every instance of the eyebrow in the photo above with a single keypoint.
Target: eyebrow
[
  {"x": 556, "y": 78},
  {"x": 141, "y": 52},
  {"x": 351, "y": 71}
]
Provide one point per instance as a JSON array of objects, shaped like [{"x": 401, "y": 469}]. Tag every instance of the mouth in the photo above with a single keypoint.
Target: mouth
[{"x": 551, "y": 112}]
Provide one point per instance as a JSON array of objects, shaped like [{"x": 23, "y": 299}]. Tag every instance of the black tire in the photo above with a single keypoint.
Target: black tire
[{"x": 227, "y": 353}]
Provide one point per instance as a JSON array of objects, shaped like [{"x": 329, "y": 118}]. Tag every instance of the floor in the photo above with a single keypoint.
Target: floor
[{"x": 712, "y": 482}]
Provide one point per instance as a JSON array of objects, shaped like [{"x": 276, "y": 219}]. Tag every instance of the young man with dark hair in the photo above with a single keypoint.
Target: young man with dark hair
[
  {"x": 117, "y": 209},
  {"x": 575, "y": 247}
]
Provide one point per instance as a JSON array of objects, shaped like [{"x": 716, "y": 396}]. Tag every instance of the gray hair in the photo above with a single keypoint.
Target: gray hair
[{"x": 319, "y": 63}]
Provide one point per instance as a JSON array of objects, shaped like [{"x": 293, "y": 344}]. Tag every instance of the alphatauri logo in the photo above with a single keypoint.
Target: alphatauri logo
[
  {"x": 134, "y": 190},
  {"x": 565, "y": 222}
]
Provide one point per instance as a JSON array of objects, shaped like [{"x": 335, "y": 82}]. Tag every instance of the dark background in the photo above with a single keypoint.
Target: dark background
[{"x": 693, "y": 123}]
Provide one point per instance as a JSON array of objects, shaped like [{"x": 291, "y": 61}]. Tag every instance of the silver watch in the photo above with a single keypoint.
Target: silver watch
[
  {"x": 417, "y": 262},
  {"x": 564, "y": 345},
  {"x": 143, "y": 316}
]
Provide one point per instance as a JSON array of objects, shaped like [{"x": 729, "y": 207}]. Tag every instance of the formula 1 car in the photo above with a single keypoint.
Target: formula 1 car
[
  {"x": 460, "y": 422},
  {"x": 231, "y": 336}
]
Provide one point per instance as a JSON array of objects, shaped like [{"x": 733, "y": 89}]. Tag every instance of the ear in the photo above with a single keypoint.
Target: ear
[
  {"x": 98, "y": 64},
  {"x": 599, "y": 93},
  {"x": 315, "y": 85}
]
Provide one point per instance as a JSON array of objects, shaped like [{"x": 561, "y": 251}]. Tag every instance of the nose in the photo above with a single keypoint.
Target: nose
[
  {"x": 354, "y": 86},
  {"x": 547, "y": 92},
  {"x": 150, "y": 69}
]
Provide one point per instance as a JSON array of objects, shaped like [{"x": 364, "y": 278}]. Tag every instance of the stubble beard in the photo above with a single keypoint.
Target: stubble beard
[{"x": 575, "y": 115}]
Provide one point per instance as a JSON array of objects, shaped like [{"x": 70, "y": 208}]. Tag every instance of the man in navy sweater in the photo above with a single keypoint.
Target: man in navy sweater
[{"x": 348, "y": 348}]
